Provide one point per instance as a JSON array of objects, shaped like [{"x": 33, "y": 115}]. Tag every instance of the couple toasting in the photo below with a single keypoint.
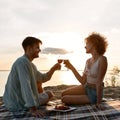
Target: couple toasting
[{"x": 23, "y": 90}]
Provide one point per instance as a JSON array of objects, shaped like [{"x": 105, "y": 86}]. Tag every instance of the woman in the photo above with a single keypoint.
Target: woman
[{"x": 91, "y": 88}]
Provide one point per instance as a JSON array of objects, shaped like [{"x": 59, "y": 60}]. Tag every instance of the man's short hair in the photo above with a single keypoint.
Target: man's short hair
[{"x": 29, "y": 41}]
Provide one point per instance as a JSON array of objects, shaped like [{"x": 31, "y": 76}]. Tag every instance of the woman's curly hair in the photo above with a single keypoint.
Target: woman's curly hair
[{"x": 99, "y": 42}]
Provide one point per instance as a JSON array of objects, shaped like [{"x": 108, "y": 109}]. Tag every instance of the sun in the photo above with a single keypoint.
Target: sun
[{"x": 68, "y": 78}]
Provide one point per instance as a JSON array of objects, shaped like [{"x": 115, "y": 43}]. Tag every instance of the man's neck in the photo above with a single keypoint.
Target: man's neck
[{"x": 29, "y": 57}]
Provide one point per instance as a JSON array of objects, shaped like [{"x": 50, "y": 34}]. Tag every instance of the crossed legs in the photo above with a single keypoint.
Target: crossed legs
[
  {"x": 44, "y": 97},
  {"x": 75, "y": 95}
]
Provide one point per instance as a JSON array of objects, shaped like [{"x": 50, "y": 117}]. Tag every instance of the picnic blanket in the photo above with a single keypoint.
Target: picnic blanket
[{"x": 85, "y": 112}]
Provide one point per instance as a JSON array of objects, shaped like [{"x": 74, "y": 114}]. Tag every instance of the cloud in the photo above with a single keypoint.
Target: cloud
[
  {"x": 50, "y": 50},
  {"x": 31, "y": 16},
  {"x": 108, "y": 17}
]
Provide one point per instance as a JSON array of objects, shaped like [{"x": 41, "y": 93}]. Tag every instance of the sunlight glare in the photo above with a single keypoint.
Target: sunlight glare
[{"x": 68, "y": 78}]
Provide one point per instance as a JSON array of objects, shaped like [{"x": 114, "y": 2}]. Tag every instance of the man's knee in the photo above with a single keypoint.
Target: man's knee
[
  {"x": 39, "y": 87},
  {"x": 50, "y": 94}
]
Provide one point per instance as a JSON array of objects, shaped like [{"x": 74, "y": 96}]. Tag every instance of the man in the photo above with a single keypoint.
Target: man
[{"x": 21, "y": 91}]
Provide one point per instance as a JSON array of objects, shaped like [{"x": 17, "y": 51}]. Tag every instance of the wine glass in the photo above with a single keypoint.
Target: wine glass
[
  {"x": 65, "y": 62},
  {"x": 60, "y": 60}
]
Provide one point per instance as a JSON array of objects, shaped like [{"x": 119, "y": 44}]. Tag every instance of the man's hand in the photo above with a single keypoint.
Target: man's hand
[
  {"x": 36, "y": 113},
  {"x": 100, "y": 106}
]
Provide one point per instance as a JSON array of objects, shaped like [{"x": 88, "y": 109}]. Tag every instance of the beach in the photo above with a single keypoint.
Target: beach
[{"x": 109, "y": 92}]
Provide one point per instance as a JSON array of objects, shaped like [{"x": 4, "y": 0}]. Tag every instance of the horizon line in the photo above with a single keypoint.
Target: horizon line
[{"x": 58, "y": 70}]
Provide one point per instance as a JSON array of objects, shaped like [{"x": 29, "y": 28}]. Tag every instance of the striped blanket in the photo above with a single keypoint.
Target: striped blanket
[{"x": 87, "y": 112}]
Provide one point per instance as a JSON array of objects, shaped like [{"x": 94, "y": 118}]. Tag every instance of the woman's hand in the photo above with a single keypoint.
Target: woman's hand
[{"x": 67, "y": 64}]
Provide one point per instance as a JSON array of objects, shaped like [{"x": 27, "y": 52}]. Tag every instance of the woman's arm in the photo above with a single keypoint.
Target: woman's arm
[
  {"x": 81, "y": 79},
  {"x": 101, "y": 73}
]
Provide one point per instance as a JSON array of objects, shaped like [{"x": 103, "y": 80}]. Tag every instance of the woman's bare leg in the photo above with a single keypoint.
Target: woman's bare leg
[
  {"x": 75, "y": 99},
  {"x": 78, "y": 90},
  {"x": 75, "y": 95}
]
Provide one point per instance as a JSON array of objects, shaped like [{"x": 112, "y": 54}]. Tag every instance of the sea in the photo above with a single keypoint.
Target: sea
[{"x": 61, "y": 77}]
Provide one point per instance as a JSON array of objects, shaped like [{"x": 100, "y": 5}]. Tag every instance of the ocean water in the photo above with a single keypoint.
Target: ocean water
[{"x": 61, "y": 77}]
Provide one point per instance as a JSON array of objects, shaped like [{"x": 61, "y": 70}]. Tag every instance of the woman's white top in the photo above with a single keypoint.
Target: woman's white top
[{"x": 91, "y": 71}]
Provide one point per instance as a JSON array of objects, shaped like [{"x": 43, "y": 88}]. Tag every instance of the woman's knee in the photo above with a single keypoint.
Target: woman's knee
[{"x": 63, "y": 93}]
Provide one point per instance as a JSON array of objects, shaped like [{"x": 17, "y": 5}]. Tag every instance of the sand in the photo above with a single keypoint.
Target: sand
[{"x": 109, "y": 92}]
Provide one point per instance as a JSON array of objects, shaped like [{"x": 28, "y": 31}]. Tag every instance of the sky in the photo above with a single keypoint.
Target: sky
[{"x": 62, "y": 26}]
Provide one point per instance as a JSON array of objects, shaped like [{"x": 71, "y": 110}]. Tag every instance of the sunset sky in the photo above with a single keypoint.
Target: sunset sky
[{"x": 62, "y": 26}]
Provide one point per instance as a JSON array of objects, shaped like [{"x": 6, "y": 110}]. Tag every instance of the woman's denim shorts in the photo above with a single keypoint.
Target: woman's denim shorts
[{"x": 92, "y": 94}]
